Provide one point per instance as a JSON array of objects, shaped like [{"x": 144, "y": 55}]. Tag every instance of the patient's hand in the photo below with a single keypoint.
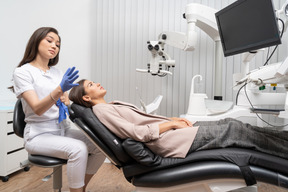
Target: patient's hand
[
  {"x": 175, "y": 123},
  {"x": 188, "y": 123},
  {"x": 178, "y": 124}
]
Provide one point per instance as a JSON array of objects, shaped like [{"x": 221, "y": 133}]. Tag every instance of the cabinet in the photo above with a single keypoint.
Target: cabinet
[{"x": 12, "y": 152}]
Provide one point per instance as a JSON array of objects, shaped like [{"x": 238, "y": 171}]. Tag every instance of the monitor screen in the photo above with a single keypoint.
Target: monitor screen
[{"x": 247, "y": 25}]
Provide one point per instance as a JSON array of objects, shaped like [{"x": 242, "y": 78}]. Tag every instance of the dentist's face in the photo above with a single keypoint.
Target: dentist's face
[
  {"x": 49, "y": 46},
  {"x": 94, "y": 90}
]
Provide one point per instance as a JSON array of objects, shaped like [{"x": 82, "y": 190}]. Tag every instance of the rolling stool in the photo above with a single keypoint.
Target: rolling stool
[{"x": 38, "y": 160}]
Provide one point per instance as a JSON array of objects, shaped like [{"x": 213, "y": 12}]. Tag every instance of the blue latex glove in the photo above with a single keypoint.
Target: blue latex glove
[
  {"x": 69, "y": 77},
  {"x": 63, "y": 109}
]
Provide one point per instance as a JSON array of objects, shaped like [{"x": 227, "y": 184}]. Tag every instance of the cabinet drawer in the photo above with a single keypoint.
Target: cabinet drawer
[
  {"x": 9, "y": 122},
  {"x": 14, "y": 160},
  {"x": 10, "y": 116},
  {"x": 9, "y": 128},
  {"x": 15, "y": 142}
]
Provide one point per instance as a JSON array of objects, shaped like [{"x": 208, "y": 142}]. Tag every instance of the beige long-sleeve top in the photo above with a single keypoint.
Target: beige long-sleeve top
[{"x": 127, "y": 121}]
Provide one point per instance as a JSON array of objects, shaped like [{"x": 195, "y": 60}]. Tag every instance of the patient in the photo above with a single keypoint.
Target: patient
[{"x": 176, "y": 137}]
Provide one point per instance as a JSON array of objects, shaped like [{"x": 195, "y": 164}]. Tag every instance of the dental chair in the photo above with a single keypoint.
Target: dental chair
[
  {"x": 38, "y": 160},
  {"x": 216, "y": 170}
]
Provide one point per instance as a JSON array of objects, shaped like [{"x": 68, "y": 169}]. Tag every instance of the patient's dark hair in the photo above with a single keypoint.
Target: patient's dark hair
[{"x": 76, "y": 94}]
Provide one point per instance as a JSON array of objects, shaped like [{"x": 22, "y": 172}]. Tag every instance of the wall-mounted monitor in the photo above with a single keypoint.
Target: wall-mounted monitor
[{"x": 247, "y": 25}]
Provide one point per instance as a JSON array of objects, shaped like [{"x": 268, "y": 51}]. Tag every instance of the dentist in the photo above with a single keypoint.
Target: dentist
[{"x": 43, "y": 89}]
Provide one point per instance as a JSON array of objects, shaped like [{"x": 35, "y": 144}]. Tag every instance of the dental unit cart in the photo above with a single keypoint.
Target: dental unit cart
[{"x": 12, "y": 152}]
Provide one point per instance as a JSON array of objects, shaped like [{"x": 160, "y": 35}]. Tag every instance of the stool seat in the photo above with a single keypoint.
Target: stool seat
[{"x": 45, "y": 161}]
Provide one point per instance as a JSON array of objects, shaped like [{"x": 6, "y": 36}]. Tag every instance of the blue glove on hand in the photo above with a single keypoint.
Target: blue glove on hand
[
  {"x": 69, "y": 77},
  {"x": 63, "y": 109}
]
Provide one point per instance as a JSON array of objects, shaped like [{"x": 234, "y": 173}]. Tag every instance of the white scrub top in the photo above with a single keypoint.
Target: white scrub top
[{"x": 28, "y": 77}]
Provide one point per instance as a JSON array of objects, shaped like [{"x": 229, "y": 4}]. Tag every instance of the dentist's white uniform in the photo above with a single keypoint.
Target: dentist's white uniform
[{"x": 43, "y": 135}]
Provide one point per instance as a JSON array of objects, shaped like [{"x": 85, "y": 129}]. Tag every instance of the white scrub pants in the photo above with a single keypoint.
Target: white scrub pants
[{"x": 82, "y": 155}]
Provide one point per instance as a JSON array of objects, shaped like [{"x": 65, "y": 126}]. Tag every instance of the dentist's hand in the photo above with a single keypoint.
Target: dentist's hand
[
  {"x": 63, "y": 110},
  {"x": 69, "y": 77}
]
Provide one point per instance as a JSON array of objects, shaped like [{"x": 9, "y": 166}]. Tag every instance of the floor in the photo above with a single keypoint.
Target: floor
[{"x": 108, "y": 179}]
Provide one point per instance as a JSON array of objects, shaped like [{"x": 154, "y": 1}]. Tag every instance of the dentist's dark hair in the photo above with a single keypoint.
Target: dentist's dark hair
[
  {"x": 33, "y": 44},
  {"x": 76, "y": 95}
]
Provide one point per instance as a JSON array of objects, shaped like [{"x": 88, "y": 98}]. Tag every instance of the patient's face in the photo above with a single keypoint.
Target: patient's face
[{"x": 94, "y": 90}]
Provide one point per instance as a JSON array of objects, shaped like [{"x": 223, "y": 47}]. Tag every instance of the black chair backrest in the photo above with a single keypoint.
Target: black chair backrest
[
  {"x": 106, "y": 140},
  {"x": 18, "y": 119}
]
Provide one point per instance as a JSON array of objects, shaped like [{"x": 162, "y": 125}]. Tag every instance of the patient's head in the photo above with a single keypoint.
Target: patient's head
[{"x": 87, "y": 93}]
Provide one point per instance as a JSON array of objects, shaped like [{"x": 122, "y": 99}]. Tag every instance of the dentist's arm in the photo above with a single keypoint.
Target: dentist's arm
[{"x": 41, "y": 106}]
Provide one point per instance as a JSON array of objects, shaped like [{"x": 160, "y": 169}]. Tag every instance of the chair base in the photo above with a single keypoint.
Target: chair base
[
  {"x": 57, "y": 178},
  {"x": 213, "y": 185}
]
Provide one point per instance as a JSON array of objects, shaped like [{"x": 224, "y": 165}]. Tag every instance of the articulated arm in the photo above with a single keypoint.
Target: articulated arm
[{"x": 283, "y": 14}]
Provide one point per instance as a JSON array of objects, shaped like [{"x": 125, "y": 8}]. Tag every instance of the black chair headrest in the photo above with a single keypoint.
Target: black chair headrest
[{"x": 18, "y": 119}]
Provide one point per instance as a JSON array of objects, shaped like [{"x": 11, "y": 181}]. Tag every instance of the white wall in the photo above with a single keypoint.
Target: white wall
[{"x": 20, "y": 18}]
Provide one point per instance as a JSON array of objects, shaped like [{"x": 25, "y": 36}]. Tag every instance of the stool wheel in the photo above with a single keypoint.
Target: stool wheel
[
  {"x": 26, "y": 168},
  {"x": 5, "y": 179}
]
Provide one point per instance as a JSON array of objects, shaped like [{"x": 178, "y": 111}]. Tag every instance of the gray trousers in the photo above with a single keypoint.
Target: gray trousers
[{"x": 233, "y": 133}]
